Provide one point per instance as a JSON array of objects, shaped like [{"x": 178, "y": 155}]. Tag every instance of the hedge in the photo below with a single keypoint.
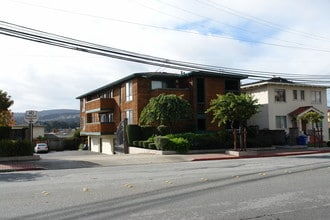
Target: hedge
[
  {"x": 134, "y": 133},
  {"x": 10, "y": 148},
  {"x": 5, "y": 132}
]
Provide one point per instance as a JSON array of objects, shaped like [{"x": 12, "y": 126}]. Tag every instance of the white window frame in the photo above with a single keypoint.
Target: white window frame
[
  {"x": 316, "y": 97},
  {"x": 281, "y": 122},
  {"x": 106, "y": 117},
  {"x": 83, "y": 107},
  {"x": 280, "y": 95},
  {"x": 295, "y": 94},
  {"x": 157, "y": 84},
  {"x": 302, "y": 95},
  {"x": 129, "y": 116},
  {"x": 129, "y": 91}
]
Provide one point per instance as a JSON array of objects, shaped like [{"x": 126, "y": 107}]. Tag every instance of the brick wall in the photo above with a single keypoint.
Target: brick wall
[{"x": 213, "y": 86}]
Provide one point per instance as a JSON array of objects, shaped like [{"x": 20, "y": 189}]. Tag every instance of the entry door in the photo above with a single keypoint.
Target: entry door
[{"x": 304, "y": 126}]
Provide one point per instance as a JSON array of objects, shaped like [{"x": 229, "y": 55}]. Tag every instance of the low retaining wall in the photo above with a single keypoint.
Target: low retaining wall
[{"x": 138, "y": 150}]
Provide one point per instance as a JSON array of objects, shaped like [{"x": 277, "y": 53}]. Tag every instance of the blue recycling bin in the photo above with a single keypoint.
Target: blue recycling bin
[{"x": 302, "y": 140}]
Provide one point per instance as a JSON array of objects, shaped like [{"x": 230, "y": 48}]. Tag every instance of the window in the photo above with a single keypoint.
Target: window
[
  {"x": 106, "y": 94},
  {"x": 232, "y": 86},
  {"x": 129, "y": 91},
  {"x": 106, "y": 117},
  {"x": 200, "y": 90},
  {"x": 281, "y": 122},
  {"x": 158, "y": 85},
  {"x": 90, "y": 118},
  {"x": 83, "y": 105},
  {"x": 129, "y": 116},
  {"x": 302, "y": 95},
  {"x": 295, "y": 94},
  {"x": 316, "y": 97},
  {"x": 280, "y": 95},
  {"x": 82, "y": 123}
]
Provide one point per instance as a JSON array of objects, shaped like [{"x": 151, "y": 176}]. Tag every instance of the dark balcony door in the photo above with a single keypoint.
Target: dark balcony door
[{"x": 200, "y": 94}]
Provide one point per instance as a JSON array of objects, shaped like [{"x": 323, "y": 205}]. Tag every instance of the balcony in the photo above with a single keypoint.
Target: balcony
[
  {"x": 99, "y": 105},
  {"x": 100, "y": 128}
]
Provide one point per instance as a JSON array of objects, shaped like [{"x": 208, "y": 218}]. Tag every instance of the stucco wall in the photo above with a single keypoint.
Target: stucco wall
[{"x": 266, "y": 95}]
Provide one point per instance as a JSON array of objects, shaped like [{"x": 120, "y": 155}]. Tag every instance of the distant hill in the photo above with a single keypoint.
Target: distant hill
[{"x": 63, "y": 115}]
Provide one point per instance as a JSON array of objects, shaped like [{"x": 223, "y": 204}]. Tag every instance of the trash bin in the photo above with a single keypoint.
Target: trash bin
[{"x": 302, "y": 140}]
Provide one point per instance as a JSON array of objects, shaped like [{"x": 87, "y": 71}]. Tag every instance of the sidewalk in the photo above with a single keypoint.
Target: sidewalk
[
  {"x": 260, "y": 154},
  {"x": 31, "y": 163}
]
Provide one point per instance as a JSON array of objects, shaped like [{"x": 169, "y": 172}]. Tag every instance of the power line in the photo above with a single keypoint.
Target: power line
[
  {"x": 295, "y": 46},
  {"x": 26, "y": 33},
  {"x": 263, "y": 22}
]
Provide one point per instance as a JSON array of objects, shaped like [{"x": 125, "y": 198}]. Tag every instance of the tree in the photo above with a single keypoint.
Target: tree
[
  {"x": 231, "y": 108},
  {"x": 165, "y": 110},
  {"x": 6, "y": 116},
  {"x": 314, "y": 118}
]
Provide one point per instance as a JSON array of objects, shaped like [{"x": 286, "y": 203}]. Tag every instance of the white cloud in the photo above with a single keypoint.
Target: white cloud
[{"x": 45, "y": 77}]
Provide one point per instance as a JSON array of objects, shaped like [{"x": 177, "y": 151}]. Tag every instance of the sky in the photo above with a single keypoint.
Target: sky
[{"x": 276, "y": 36}]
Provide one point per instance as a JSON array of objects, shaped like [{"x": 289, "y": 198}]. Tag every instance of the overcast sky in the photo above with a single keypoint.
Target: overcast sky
[{"x": 268, "y": 35}]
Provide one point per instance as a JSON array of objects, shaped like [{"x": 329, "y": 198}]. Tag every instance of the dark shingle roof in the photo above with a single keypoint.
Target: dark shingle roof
[{"x": 163, "y": 75}]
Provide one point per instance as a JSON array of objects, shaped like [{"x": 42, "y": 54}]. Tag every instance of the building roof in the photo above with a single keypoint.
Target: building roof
[
  {"x": 304, "y": 109},
  {"x": 278, "y": 81},
  {"x": 164, "y": 75}
]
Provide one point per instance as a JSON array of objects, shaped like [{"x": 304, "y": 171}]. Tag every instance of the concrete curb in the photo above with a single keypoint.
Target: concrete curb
[{"x": 274, "y": 154}]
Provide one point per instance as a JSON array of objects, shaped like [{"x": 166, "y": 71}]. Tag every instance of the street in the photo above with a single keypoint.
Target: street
[{"x": 295, "y": 187}]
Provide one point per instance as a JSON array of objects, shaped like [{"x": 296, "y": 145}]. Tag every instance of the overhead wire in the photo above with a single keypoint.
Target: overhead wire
[
  {"x": 209, "y": 34},
  {"x": 26, "y": 33},
  {"x": 261, "y": 21},
  {"x": 295, "y": 45}
]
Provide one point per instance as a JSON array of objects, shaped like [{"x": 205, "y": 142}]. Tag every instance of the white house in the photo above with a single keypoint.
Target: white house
[{"x": 283, "y": 101}]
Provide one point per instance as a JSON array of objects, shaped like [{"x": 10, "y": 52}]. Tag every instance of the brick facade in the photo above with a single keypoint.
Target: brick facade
[{"x": 198, "y": 88}]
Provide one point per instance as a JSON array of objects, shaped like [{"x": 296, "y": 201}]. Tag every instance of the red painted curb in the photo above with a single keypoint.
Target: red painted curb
[{"x": 262, "y": 155}]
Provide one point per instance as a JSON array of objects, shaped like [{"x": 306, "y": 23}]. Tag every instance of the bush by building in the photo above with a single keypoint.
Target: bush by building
[{"x": 9, "y": 148}]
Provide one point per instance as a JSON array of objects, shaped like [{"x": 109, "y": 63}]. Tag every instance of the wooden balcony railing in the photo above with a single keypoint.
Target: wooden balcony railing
[
  {"x": 101, "y": 128},
  {"x": 101, "y": 104}
]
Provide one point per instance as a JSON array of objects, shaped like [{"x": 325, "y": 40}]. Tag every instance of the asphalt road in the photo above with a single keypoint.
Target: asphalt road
[{"x": 294, "y": 187}]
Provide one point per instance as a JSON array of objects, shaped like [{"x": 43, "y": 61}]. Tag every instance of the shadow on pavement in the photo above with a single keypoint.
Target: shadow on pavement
[
  {"x": 53, "y": 164},
  {"x": 313, "y": 156}
]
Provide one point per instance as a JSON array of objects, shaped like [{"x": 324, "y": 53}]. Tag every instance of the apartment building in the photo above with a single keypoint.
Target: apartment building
[{"x": 102, "y": 109}]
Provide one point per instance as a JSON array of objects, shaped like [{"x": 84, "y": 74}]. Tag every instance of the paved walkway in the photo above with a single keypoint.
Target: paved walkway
[{"x": 97, "y": 159}]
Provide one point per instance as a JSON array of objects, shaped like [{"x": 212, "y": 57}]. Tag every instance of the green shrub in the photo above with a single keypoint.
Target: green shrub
[
  {"x": 161, "y": 142},
  {"x": 140, "y": 143},
  {"x": 134, "y": 133},
  {"x": 198, "y": 141},
  {"x": 145, "y": 144},
  {"x": 152, "y": 146},
  {"x": 180, "y": 145},
  {"x": 136, "y": 143},
  {"x": 10, "y": 148},
  {"x": 163, "y": 130},
  {"x": 147, "y": 132},
  {"x": 5, "y": 132}
]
